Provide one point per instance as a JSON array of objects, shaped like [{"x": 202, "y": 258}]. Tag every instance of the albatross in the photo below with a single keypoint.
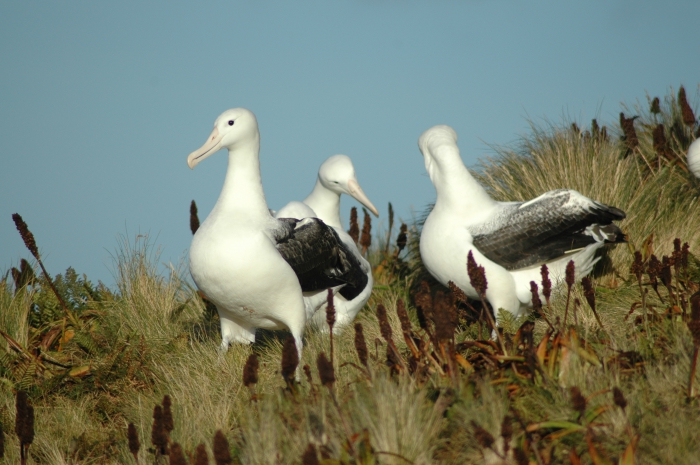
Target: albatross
[
  {"x": 336, "y": 176},
  {"x": 259, "y": 271},
  {"x": 511, "y": 240},
  {"x": 693, "y": 158}
]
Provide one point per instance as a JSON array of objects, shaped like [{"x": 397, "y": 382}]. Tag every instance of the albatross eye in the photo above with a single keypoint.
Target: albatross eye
[{"x": 230, "y": 122}]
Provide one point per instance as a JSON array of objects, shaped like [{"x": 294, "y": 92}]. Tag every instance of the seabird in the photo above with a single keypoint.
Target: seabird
[
  {"x": 511, "y": 240},
  {"x": 255, "y": 268},
  {"x": 693, "y": 158},
  {"x": 336, "y": 176}
]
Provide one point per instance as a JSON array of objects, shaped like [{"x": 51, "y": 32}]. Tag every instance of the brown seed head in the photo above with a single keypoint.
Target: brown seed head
[
  {"x": 588, "y": 292},
  {"x": 536, "y": 301},
  {"x": 391, "y": 216},
  {"x": 403, "y": 317},
  {"x": 194, "y": 219},
  {"x": 458, "y": 293},
  {"x": 666, "y": 272},
  {"x": 26, "y": 234},
  {"x": 685, "y": 251},
  {"x": 694, "y": 323},
  {"x": 477, "y": 276},
  {"x": 677, "y": 255},
  {"x": 24, "y": 275},
  {"x": 630, "y": 134},
  {"x": 653, "y": 270},
  {"x": 424, "y": 305},
  {"x": 307, "y": 373},
  {"x": 158, "y": 435},
  {"x": 483, "y": 437},
  {"x": 27, "y": 436},
  {"x": 290, "y": 359},
  {"x": 366, "y": 238},
  {"x": 354, "y": 230},
  {"x": 168, "y": 423},
  {"x": 222, "y": 453},
  {"x": 325, "y": 370},
  {"x": 578, "y": 402},
  {"x": 200, "y": 455},
  {"x": 655, "y": 107},
  {"x": 402, "y": 238},
  {"x": 310, "y": 456},
  {"x": 443, "y": 318},
  {"x": 570, "y": 273},
  {"x": 637, "y": 267},
  {"x": 619, "y": 398},
  {"x": 546, "y": 283},
  {"x": 133, "y": 437},
  {"x": 360, "y": 344},
  {"x": 177, "y": 457},
  {"x": 330, "y": 310},
  {"x": 686, "y": 111},
  {"x": 21, "y": 404},
  {"x": 250, "y": 371},
  {"x": 659, "y": 140},
  {"x": 575, "y": 128},
  {"x": 595, "y": 129},
  {"x": 24, "y": 420},
  {"x": 384, "y": 326}
]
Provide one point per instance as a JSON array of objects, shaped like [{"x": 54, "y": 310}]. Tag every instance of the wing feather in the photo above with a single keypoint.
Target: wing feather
[
  {"x": 318, "y": 256},
  {"x": 544, "y": 228}
]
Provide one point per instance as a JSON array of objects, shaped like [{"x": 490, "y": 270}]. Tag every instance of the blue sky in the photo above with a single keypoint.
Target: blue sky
[{"x": 100, "y": 103}]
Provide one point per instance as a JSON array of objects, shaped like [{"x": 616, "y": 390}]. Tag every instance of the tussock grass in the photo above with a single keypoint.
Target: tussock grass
[{"x": 110, "y": 356}]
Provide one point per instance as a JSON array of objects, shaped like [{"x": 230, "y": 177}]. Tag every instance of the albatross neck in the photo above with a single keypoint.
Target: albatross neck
[
  {"x": 243, "y": 190},
  {"x": 325, "y": 203},
  {"x": 457, "y": 190}
]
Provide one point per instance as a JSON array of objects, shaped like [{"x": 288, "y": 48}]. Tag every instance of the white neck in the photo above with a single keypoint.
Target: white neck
[
  {"x": 243, "y": 190},
  {"x": 326, "y": 204},
  {"x": 457, "y": 190}
]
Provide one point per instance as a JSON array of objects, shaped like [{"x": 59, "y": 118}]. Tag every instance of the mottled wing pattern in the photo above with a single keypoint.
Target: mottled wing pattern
[
  {"x": 533, "y": 232},
  {"x": 316, "y": 254}
]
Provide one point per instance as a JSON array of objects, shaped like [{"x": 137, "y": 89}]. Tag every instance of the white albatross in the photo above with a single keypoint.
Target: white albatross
[
  {"x": 693, "y": 158},
  {"x": 336, "y": 176},
  {"x": 511, "y": 240},
  {"x": 257, "y": 269}
]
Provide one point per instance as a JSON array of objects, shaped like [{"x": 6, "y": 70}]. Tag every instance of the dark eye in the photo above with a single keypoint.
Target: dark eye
[{"x": 230, "y": 122}]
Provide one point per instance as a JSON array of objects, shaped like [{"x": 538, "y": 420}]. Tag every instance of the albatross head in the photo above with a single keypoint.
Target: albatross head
[
  {"x": 337, "y": 174},
  {"x": 437, "y": 142},
  {"x": 233, "y": 128}
]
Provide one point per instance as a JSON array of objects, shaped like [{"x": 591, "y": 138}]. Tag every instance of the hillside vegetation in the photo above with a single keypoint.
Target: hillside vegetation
[{"x": 602, "y": 372}]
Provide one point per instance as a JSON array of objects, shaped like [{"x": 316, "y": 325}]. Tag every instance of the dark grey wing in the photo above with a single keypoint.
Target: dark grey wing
[
  {"x": 545, "y": 228},
  {"x": 317, "y": 255}
]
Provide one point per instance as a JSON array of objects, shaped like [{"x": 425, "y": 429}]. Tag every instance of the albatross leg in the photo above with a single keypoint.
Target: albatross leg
[{"x": 234, "y": 332}]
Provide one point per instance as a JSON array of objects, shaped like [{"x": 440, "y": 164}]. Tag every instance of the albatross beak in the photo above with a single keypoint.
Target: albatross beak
[
  {"x": 358, "y": 194},
  {"x": 213, "y": 144}
]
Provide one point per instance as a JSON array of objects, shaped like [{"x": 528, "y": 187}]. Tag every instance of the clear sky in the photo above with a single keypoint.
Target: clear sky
[{"x": 101, "y": 102}]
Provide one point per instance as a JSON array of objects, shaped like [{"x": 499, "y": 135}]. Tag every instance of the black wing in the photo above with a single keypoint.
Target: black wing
[
  {"x": 318, "y": 256},
  {"x": 546, "y": 228}
]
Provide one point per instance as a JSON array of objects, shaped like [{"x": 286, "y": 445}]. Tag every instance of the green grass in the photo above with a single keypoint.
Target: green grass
[{"x": 111, "y": 355}]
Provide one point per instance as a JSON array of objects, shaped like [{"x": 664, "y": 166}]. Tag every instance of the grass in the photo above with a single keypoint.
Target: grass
[{"x": 98, "y": 359}]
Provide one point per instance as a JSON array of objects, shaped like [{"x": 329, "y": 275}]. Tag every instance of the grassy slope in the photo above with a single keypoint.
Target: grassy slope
[{"x": 153, "y": 335}]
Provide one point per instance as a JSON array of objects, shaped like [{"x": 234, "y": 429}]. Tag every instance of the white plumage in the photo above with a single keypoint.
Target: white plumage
[
  {"x": 253, "y": 267},
  {"x": 336, "y": 176},
  {"x": 511, "y": 240},
  {"x": 693, "y": 158}
]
